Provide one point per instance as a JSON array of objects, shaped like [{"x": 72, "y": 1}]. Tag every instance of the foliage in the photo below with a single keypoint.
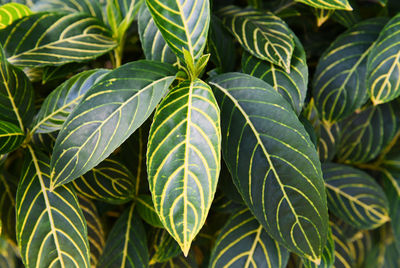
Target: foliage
[{"x": 199, "y": 133}]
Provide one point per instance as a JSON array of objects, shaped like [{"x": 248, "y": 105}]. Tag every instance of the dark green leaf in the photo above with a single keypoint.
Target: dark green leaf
[
  {"x": 165, "y": 247},
  {"x": 327, "y": 4},
  {"x": 243, "y": 242},
  {"x": 8, "y": 189},
  {"x": 111, "y": 116},
  {"x": 54, "y": 39},
  {"x": 51, "y": 229},
  {"x": 355, "y": 197},
  {"x": 343, "y": 256},
  {"x": 145, "y": 208},
  {"x": 183, "y": 159},
  {"x": 51, "y": 73},
  {"x": 273, "y": 163},
  {"x": 11, "y": 137},
  {"x": 126, "y": 244},
  {"x": 328, "y": 142},
  {"x": 262, "y": 34},
  {"x": 61, "y": 102},
  {"x": 339, "y": 81}
]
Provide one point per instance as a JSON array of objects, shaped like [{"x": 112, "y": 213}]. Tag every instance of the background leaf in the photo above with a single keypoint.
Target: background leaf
[
  {"x": 145, "y": 208},
  {"x": 273, "y": 163},
  {"x": 11, "y": 137},
  {"x": 54, "y": 39},
  {"x": 165, "y": 247},
  {"x": 111, "y": 116},
  {"x": 183, "y": 159},
  {"x": 327, "y": 4},
  {"x": 8, "y": 189},
  {"x": 11, "y": 12}
]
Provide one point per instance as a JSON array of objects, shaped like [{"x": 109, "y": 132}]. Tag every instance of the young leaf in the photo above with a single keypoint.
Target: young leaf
[
  {"x": 183, "y": 24},
  {"x": 54, "y": 39},
  {"x": 262, "y": 34},
  {"x": 153, "y": 44},
  {"x": 364, "y": 135},
  {"x": 109, "y": 182},
  {"x": 292, "y": 86},
  {"x": 243, "y": 242},
  {"x": 355, "y": 197},
  {"x": 61, "y": 101},
  {"x": 120, "y": 14},
  {"x": 114, "y": 108},
  {"x": 145, "y": 208},
  {"x": 11, "y": 137},
  {"x": 11, "y": 12},
  {"x": 90, "y": 7},
  {"x": 327, "y": 4},
  {"x": 51, "y": 229},
  {"x": 126, "y": 244},
  {"x": 273, "y": 163},
  {"x": 339, "y": 81},
  {"x": 95, "y": 229},
  {"x": 16, "y": 94},
  {"x": 383, "y": 71},
  {"x": 183, "y": 159},
  {"x": 8, "y": 188}
]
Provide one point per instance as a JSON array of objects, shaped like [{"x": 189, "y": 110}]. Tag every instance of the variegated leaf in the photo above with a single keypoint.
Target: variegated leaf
[
  {"x": 114, "y": 108},
  {"x": 273, "y": 163},
  {"x": 11, "y": 12},
  {"x": 183, "y": 159},
  {"x": 343, "y": 255},
  {"x": 145, "y": 208},
  {"x": 327, "y": 4},
  {"x": 243, "y": 242},
  {"x": 11, "y": 137},
  {"x": 8, "y": 189},
  {"x": 328, "y": 255},
  {"x": 165, "y": 247},
  {"x": 262, "y": 34},
  {"x": 328, "y": 142}
]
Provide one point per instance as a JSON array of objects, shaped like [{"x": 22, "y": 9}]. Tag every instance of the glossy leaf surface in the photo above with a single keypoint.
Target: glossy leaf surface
[
  {"x": 273, "y": 163},
  {"x": 114, "y": 108},
  {"x": 183, "y": 159}
]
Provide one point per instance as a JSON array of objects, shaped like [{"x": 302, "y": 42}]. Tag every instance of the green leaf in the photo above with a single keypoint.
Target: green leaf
[
  {"x": 16, "y": 94},
  {"x": 327, "y": 4},
  {"x": 51, "y": 229},
  {"x": 383, "y": 71},
  {"x": 11, "y": 12},
  {"x": 328, "y": 142},
  {"x": 44, "y": 141},
  {"x": 365, "y": 134},
  {"x": 355, "y": 197},
  {"x": 126, "y": 244},
  {"x": 7, "y": 255},
  {"x": 111, "y": 116},
  {"x": 183, "y": 159},
  {"x": 11, "y": 137},
  {"x": 243, "y": 242},
  {"x": 339, "y": 81},
  {"x": 54, "y": 39},
  {"x": 90, "y": 7},
  {"x": 184, "y": 25},
  {"x": 328, "y": 255},
  {"x": 95, "y": 229},
  {"x": 343, "y": 256},
  {"x": 153, "y": 44},
  {"x": 273, "y": 163},
  {"x": 51, "y": 73},
  {"x": 165, "y": 247},
  {"x": 359, "y": 246},
  {"x": 120, "y": 14},
  {"x": 8, "y": 188},
  {"x": 109, "y": 182},
  {"x": 262, "y": 34},
  {"x": 145, "y": 208},
  {"x": 347, "y": 18},
  {"x": 61, "y": 102},
  {"x": 292, "y": 86}
]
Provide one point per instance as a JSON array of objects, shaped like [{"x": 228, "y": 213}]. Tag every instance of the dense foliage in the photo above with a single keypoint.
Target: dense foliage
[{"x": 199, "y": 133}]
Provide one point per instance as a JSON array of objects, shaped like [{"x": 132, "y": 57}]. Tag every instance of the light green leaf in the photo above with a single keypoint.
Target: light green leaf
[
  {"x": 11, "y": 137},
  {"x": 54, "y": 39},
  {"x": 153, "y": 44},
  {"x": 95, "y": 229},
  {"x": 126, "y": 244},
  {"x": 8, "y": 188},
  {"x": 11, "y": 12},
  {"x": 61, "y": 102},
  {"x": 183, "y": 159},
  {"x": 273, "y": 163},
  {"x": 243, "y": 242},
  {"x": 343, "y": 255},
  {"x": 365, "y": 134},
  {"x": 328, "y": 255},
  {"x": 339, "y": 81},
  {"x": 165, "y": 247},
  {"x": 355, "y": 197},
  {"x": 327, "y": 4},
  {"x": 262, "y": 34},
  {"x": 16, "y": 94},
  {"x": 383, "y": 71},
  {"x": 90, "y": 7},
  {"x": 183, "y": 24},
  {"x": 51, "y": 230},
  {"x": 110, "y": 182},
  {"x": 292, "y": 86},
  {"x": 145, "y": 208},
  {"x": 120, "y": 14},
  {"x": 113, "y": 109}
]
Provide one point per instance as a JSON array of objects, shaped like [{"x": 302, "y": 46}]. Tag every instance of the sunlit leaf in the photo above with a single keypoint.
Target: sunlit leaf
[{"x": 11, "y": 12}]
